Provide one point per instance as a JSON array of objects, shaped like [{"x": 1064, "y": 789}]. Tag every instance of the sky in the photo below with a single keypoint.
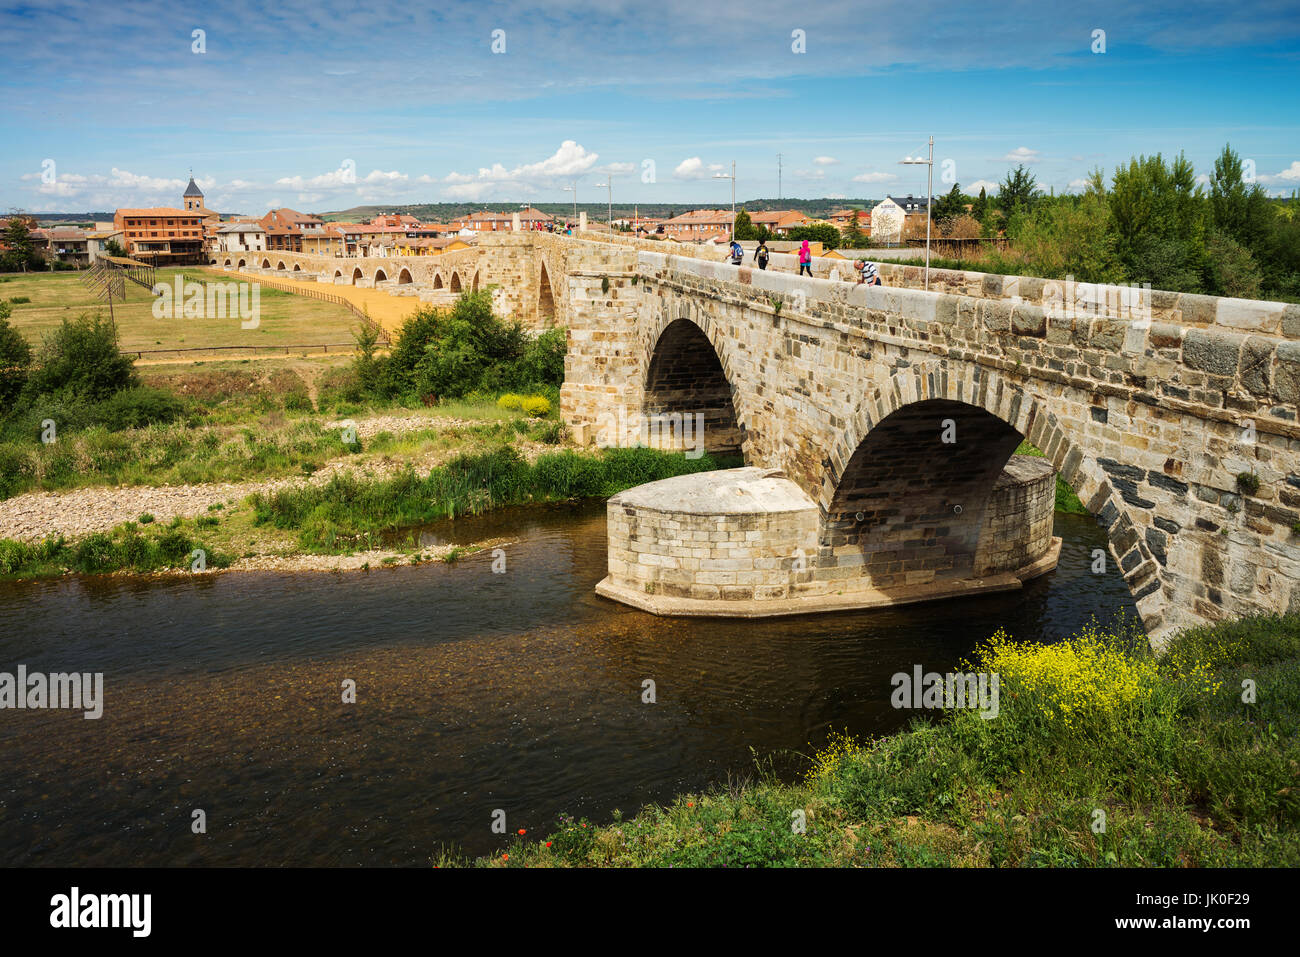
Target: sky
[{"x": 326, "y": 105}]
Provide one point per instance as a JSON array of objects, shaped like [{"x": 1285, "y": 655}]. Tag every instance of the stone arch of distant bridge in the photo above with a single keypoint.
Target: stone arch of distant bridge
[
  {"x": 686, "y": 373},
  {"x": 266, "y": 264},
  {"x": 297, "y": 267},
  {"x": 404, "y": 277},
  {"x": 437, "y": 281},
  {"x": 357, "y": 274},
  {"x": 281, "y": 267},
  {"x": 380, "y": 276},
  {"x": 453, "y": 284},
  {"x": 241, "y": 264}
]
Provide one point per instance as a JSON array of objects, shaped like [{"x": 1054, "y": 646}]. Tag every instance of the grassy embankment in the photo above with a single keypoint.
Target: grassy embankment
[{"x": 1100, "y": 755}]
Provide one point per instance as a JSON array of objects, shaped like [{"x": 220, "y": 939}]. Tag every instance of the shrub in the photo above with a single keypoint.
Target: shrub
[
  {"x": 81, "y": 357},
  {"x": 510, "y": 401},
  {"x": 1248, "y": 483},
  {"x": 536, "y": 406},
  {"x": 19, "y": 300},
  {"x": 137, "y": 407}
]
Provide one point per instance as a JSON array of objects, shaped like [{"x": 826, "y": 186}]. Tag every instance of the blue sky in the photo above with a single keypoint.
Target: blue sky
[{"x": 326, "y": 105}]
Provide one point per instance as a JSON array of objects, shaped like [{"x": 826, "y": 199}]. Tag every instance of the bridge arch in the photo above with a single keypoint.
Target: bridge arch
[
  {"x": 338, "y": 274},
  {"x": 891, "y": 481},
  {"x": 474, "y": 286},
  {"x": 297, "y": 267},
  {"x": 380, "y": 275},
  {"x": 687, "y": 375},
  {"x": 404, "y": 277},
  {"x": 281, "y": 267},
  {"x": 454, "y": 284},
  {"x": 228, "y": 261},
  {"x": 266, "y": 264},
  {"x": 357, "y": 274},
  {"x": 437, "y": 280},
  {"x": 241, "y": 264},
  {"x": 545, "y": 296}
]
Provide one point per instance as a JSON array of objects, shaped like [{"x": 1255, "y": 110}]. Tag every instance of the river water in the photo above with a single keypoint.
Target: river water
[{"x": 476, "y": 692}]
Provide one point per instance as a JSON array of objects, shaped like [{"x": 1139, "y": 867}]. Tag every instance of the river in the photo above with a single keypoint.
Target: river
[{"x": 476, "y": 691}]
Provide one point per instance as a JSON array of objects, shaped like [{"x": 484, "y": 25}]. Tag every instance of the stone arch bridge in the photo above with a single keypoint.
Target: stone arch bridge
[{"x": 884, "y": 409}]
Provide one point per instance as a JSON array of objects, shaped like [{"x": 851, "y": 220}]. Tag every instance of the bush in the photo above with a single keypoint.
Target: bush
[
  {"x": 138, "y": 407},
  {"x": 82, "y": 358},
  {"x": 510, "y": 401},
  {"x": 536, "y": 406}
]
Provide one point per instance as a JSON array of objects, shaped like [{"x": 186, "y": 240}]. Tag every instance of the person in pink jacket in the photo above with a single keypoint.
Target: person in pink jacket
[{"x": 805, "y": 259}]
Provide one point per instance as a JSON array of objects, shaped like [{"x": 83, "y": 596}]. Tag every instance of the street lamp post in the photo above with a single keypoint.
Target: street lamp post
[
  {"x": 574, "y": 190},
  {"x": 732, "y": 177},
  {"x": 929, "y": 191},
  {"x": 609, "y": 216}
]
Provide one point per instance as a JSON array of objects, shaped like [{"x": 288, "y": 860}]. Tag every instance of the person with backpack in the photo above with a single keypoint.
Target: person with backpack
[
  {"x": 761, "y": 254},
  {"x": 737, "y": 254},
  {"x": 805, "y": 259}
]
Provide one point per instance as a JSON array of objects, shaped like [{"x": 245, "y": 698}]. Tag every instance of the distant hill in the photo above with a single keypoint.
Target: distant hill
[{"x": 444, "y": 212}]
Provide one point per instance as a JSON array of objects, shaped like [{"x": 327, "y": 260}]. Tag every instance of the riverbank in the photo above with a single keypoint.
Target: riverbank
[
  {"x": 344, "y": 519},
  {"x": 1100, "y": 755}
]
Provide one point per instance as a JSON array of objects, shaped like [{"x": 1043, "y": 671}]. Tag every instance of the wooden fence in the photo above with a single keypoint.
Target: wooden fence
[{"x": 326, "y": 297}]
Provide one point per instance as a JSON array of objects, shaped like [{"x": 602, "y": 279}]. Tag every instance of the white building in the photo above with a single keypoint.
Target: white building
[
  {"x": 241, "y": 238},
  {"x": 887, "y": 222}
]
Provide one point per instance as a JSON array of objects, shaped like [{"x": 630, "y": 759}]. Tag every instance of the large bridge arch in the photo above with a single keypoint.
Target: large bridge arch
[
  {"x": 357, "y": 274},
  {"x": 380, "y": 275},
  {"x": 895, "y": 442},
  {"x": 404, "y": 277}
]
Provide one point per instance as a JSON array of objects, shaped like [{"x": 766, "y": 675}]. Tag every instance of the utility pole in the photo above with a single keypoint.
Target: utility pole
[
  {"x": 732, "y": 177},
  {"x": 778, "y": 175}
]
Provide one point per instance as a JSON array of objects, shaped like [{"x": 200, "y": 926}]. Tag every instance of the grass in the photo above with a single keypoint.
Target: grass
[
  {"x": 1066, "y": 499},
  {"x": 126, "y": 548},
  {"x": 47, "y": 298},
  {"x": 258, "y": 432},
  {"x": 347, "y": 512},
  {"x": 1100, "y": 755}
]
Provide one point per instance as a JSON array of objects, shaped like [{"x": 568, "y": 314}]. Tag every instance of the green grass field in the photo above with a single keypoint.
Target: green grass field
[{"x": 285, "y": 319}]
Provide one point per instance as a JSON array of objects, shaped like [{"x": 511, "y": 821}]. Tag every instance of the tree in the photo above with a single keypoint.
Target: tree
[
  {"x": 21, "y": 253},
  {"x": 851, "y": 237},
  {"x": 1019, "y": 189},
  {"x": 980, "y": 206},
  {"x": 823, "y": 233},
  {"x": 1160, "y": 219},
  {"x": 951, "y": 205},
  {"x": 1239, "y": 210},
  {"x": 745, "y": 228},
  {"x": 114, "y": 248},
  {"x": 1233, "y": 269},
  {"x": 15, "y": 360}
]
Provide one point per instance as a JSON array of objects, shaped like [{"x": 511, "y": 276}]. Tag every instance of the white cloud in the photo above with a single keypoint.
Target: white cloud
[
  {"x": 874, "y": 177},
  {"x": 974, "y": 188},
  {"x": 1023, "y": 154},
  {"x": 567, "y": 162},
  {"x": 694, "y": 168},
  {"x": 1289, "y": 175},
  {"x": 1079, "y": 183},
  {"x": 824, "y": 161},
  {"x": 342, "y": 177}
]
